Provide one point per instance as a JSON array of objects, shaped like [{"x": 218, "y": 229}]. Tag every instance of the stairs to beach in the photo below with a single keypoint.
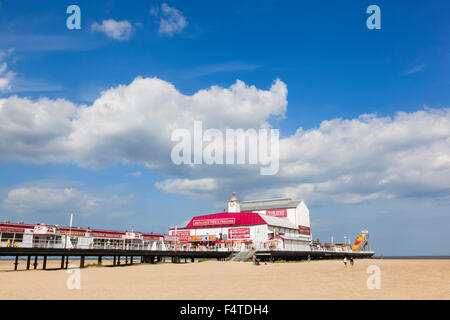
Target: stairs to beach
[{"x": 243, "y": 255}]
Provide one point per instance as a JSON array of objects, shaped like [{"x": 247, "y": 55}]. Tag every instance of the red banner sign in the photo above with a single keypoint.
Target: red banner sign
[
  {"x": 239, "y": 233},
  {"x": 280, "y": 213},
  {"x": 304, "y": 230},
  {"x": 213, "y": 222},
  {"x": 183, "y": 235},
  {"x": 170, "y": 238}
]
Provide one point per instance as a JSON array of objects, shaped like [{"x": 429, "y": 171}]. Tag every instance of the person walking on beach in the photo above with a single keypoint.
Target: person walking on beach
[
  {"x": 345, "y": 262},
  {"x": 351, "y": 261}
]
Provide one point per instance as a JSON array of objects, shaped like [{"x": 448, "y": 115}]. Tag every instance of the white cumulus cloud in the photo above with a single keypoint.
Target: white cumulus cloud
[
  {"x": 35, "y": 131},
  {"x": 119, "y": 30},
  {"x": 129, "y": 123}
]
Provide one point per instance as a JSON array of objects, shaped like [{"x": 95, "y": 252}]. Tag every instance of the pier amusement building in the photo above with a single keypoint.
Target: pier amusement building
[{"x": 262, "y": 224}]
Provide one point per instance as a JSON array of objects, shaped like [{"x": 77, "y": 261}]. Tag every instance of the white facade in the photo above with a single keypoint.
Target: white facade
[
  {"x": 294, "y": 227},
  {"x": 297, "y": 211}
]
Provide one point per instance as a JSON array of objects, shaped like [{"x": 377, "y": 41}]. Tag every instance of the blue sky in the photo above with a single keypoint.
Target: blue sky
[{"x": 333, "y": 66}]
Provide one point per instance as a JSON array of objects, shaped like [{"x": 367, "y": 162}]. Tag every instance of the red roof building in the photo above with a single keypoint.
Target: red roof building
[{"x": 262, "y": 225}]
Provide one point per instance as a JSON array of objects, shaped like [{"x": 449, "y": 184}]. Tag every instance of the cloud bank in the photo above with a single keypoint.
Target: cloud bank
[
  {"x": 343, "y": 161},
  {"x": 56, "y": 200}
]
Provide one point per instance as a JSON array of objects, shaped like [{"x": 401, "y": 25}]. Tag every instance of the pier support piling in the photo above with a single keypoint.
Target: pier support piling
[
  {"x": 149, "y": 259},
  {"x": 99, "y": 259},
  {"x": 67, "y": 262},
  {"x": 82, "y": 262},
  {"x": 35, "y": 262},
  {"x": 28, "y": 262},
  {"x": 16, "y": 263},
  {"x": 131, "y": 260},
  {"x": 44, "y": 266},
  {"x": 62, "y": 262},
  {"x": 114, "y": 261}
]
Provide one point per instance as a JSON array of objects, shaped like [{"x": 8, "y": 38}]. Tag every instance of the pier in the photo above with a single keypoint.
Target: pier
[
  {"x": 120, "y": 257},
  {"x": 129, "y": 257}
]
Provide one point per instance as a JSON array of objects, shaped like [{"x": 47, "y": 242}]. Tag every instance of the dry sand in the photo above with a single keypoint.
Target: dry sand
[{"x": 400, "y": 279}]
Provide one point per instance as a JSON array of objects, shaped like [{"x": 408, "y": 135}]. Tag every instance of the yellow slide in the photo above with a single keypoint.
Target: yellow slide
[{"x": 361, "y": 241}]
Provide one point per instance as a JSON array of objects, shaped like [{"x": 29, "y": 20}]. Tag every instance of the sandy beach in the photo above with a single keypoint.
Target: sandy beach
[{"x": 400, "y": 279}]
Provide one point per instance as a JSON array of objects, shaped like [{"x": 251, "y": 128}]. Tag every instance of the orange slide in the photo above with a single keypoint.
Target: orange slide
[{"x": 361, "y": 241}]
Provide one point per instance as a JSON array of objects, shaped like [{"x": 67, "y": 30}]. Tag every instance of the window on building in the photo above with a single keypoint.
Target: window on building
[
  {"x": 18, "y": 237},
  {"x": 6, "y": 236}
]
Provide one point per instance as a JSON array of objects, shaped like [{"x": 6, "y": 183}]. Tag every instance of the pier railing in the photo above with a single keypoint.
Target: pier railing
[
  {"x": 158, "y": 246},
  {"x": 152, "y": 246}
]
